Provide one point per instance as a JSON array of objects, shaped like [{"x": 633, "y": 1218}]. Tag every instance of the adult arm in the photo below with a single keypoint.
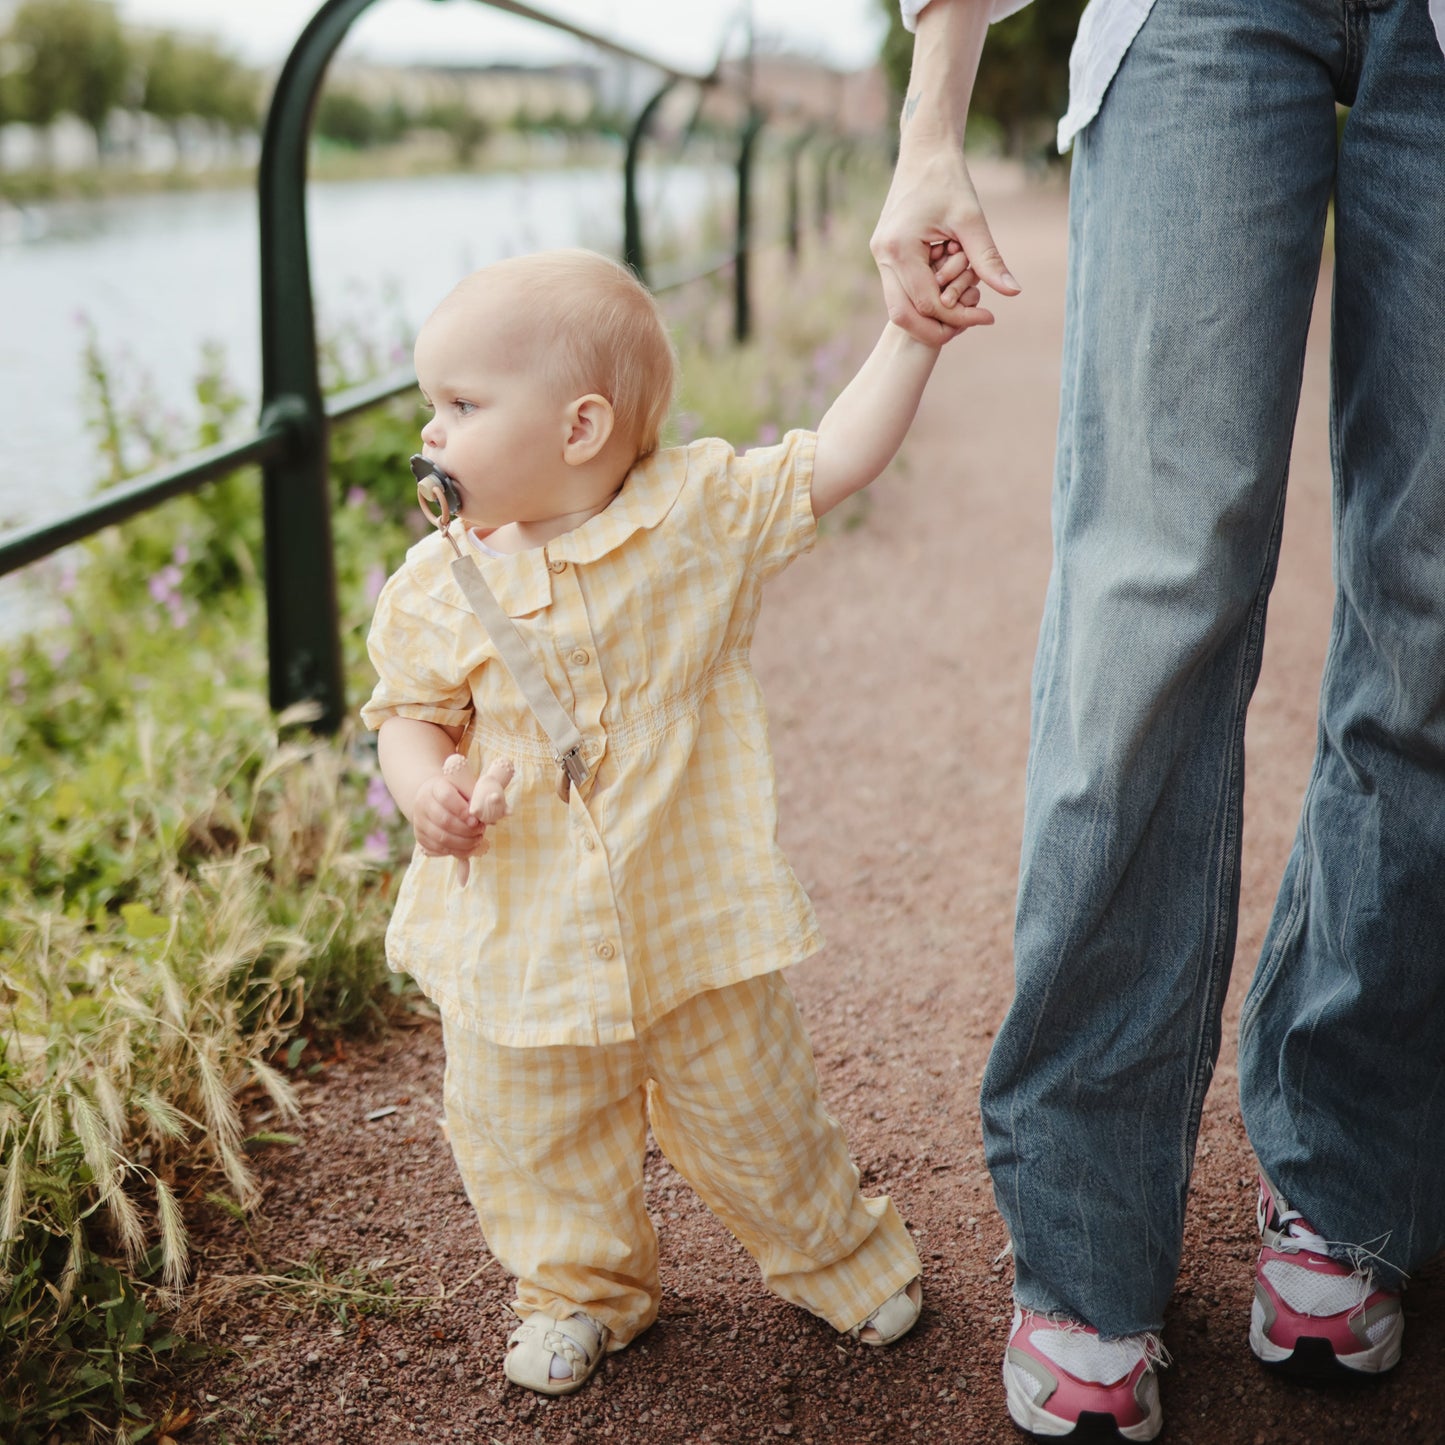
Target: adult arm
[{"x": 932, "y": 200}]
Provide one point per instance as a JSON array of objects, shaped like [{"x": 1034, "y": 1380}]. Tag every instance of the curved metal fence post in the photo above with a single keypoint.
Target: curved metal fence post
[
  {"x": 742, "y": 305},
  {"x": 303, "y": 630},
  {"x": 825, "y": 195},
  {"x": 845, "y": 150},
  {"x": 795, "y": 202},
  {"x": 632, "y": 253}
]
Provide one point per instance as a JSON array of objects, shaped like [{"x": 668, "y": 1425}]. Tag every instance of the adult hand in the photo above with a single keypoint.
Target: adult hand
[{"x": 931, "y": 203}]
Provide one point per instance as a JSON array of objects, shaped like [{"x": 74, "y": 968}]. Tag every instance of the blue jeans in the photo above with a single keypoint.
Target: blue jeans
[{"x": 1197, "y": 215}]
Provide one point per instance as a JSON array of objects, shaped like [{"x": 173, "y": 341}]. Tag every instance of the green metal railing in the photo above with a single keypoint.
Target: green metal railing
[{"x": 291, "y": 442}]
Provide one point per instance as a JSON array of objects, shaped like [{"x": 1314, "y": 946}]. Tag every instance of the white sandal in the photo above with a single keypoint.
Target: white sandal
[
  {"x": 578, "y": 1340},
  {"x": 894, "y": 1317}
]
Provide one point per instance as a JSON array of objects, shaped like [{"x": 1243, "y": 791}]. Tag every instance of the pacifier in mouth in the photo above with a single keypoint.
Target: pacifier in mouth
[{"x": 437, "y": 496}]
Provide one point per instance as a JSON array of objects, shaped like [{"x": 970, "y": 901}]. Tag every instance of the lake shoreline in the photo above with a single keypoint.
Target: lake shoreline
[{"x": 30, "y": 189}]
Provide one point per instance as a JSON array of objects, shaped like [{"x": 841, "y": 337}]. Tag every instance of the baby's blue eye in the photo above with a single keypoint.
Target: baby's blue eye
[{"x": 463, "y": 408}]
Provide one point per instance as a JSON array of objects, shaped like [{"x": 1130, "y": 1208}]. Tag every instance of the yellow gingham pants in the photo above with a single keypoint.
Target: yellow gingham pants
[{"x": 551, "y": 1142}]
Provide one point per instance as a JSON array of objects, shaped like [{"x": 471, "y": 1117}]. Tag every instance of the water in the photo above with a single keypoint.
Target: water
[{"x": 158, "y": 276}]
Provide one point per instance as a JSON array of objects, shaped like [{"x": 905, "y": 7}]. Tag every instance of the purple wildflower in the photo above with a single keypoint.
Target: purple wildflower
[
  {"x": 165, "y": 590},
  {"x": 379, "y": 800},
  {"x": 164, "y": 585}
]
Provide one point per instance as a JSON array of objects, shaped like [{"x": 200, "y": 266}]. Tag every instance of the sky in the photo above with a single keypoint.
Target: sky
[{"x": 685, "y": 33}]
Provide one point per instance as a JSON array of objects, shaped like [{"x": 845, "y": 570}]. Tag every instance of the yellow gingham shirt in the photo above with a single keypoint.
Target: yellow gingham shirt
[{"x": 662, "y": 876}]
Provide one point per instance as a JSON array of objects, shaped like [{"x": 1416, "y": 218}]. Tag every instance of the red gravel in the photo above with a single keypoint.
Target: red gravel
[{"x": 895, "y": 660}]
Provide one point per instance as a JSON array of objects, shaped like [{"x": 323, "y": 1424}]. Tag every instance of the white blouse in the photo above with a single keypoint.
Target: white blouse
[{"x": 1105, "y": 33}]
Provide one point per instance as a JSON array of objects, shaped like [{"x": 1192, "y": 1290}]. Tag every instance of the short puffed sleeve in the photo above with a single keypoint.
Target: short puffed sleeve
[
  {"x": 763, "y": 498},
  {"x": 420, "y": 671}
]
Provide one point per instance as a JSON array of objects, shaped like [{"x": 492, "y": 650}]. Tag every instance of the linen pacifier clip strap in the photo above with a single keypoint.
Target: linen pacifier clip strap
[{"x": 526, "y": 673}]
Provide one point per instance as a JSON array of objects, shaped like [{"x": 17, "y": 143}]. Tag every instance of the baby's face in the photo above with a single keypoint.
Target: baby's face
[{"x": 494, "y": 426}]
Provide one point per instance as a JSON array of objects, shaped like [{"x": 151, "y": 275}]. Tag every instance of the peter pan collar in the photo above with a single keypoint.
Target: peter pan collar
[{"x": 651, "y": 488}]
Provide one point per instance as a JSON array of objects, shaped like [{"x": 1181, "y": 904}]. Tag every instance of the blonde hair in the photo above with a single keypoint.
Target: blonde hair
[{"x": 595, "y": 328}]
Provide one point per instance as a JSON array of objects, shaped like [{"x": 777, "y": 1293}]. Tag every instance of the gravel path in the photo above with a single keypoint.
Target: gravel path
[{"x": 895, "y": 660}]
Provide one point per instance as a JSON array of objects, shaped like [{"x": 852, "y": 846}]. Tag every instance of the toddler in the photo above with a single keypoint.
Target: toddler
[{"x": 614, "y": 961}]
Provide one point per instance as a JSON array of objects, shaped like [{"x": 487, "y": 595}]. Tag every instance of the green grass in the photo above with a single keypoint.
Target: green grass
[{"x": 189, "y": 878}]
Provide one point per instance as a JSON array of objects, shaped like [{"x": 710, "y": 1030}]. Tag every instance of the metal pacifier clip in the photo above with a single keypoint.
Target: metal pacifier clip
[{"x": 441, "y": 505}]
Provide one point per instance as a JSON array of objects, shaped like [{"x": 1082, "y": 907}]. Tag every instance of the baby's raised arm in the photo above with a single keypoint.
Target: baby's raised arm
[{"x": 865, "y": 426}]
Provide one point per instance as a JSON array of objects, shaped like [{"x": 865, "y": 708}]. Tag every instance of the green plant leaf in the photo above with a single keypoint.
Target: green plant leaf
[
  {"x": 227, "y": 1206},
  {"x": 67, "y": 801},
  {"x": 140, "y": 922}
]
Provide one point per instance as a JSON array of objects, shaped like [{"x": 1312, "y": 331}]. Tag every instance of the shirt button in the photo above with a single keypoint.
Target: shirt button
[
  {"x": 605, "y": 951},
  {"x": 587, "y": 842},
  {"x": 580, "y": 657},
  {"x": 556, "y": 566}
]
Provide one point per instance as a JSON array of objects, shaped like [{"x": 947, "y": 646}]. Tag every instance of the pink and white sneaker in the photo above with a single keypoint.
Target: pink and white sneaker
[
  {"x": 1312, "y": 1313},
  {"x": 1061, "y": 1377}
]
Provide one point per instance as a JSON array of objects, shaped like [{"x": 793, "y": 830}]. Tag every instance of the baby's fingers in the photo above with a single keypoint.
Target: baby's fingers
[
  {"x": 957, "y": 283},
  {"x": 954, "y": 267},
  {"x": 441, "y": 820},
  {"x": 957, "y": 300},
  {"x": 967, "y": 315}
]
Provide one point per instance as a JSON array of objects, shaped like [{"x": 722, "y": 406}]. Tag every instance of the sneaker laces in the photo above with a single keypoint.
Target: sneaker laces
[
  {"x": 1300, "y": 1232},
  {"x": 1294, "y": 1233}
]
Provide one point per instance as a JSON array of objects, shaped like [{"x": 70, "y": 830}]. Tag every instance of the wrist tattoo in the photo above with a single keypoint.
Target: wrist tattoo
[{"x": 909, "y": 106}]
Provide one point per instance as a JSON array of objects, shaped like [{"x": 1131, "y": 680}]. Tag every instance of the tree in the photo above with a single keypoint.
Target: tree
[
  {"x": 169, "y": 90},
  {"x": 185, "y": 77},
  {"x": 226, "y": 90},
  {"x": 465, "y": 128},
  {"x": 9, "y": 89},
  {"x": 73, "y": 58},
  {"x": 1023, "y": 78},
  {"x": 896, "y": 53},
  {"x": 344, "y": 117}
]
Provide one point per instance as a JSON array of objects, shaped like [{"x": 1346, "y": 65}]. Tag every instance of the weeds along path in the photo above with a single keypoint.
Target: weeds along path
[{"x": 896, "y": 661}]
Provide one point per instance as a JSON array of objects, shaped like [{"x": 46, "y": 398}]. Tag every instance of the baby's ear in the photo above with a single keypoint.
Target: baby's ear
[{"x": 587, "y": 428}]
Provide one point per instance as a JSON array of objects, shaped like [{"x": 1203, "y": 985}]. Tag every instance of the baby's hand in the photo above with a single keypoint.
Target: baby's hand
[
  {"x": 957, "y": 285},
  {"x": 441, "y": 818}
]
